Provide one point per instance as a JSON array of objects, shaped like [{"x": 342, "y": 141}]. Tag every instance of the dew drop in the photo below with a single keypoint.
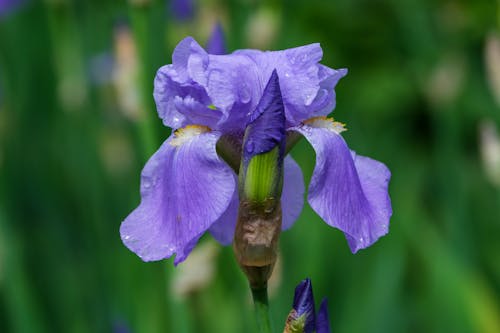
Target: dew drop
[
  {"x": 249, "y": 147},
  {"x": 245, "y": 96}
]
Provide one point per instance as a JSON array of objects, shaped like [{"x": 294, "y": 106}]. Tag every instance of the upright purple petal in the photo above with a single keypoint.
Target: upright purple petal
[
  {"x": 216, "y": 43},
  {"x": 181, "y": 101},
  {"x": 292, "y": 196},
  {"x": 322, "y": 320},
  {"x": 231, "y": 85},
  {"x": 349, "y": 192},
  {"x": 303, "y": 304},
  {"x": 307, "y": 86},
  {"x": 185, "y": 188}
]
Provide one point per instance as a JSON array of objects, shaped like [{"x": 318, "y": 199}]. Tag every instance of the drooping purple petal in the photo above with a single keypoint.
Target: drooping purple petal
[
  {"x": 223, "y": 229},
  {"x": 292, "y": 196},
  {"x": 349, "y": 192},
  {"x": 216, "y": 43},
  {"x": 185, "y": 188},
  {"x": 266, "y": 128},
  {"x": 322, "y": 320},
  {"x": 303, "y": 304}
]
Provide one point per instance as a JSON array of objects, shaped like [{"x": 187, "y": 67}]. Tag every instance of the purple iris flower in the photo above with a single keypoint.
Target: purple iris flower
[
  {"x": 188, "y": 189},
  {"x": 303, "y": 317}
]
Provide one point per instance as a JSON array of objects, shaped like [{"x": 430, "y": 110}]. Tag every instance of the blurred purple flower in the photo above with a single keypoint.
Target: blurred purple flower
[
  {"x": 7, "y": 6},
  {"x": 182, "y": 10},
  {"x": 303, "y": 317},
  {"x": 101, "y": 68},
  {"x": 187, "y": 189},
  {"x": 119, "y": 326},
  {"x": 216, "y": 43}
]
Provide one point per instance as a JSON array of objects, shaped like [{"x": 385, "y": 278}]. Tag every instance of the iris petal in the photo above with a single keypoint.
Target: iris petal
[
  {"x": 292, "y": 196},
  {"x": 348, "y": 191},
  {"x": 185, "y": 188},
  {"x": 234, "y": 84},
  {"x": 306, "y": 86},
  {"x": 223, "y": 229}
]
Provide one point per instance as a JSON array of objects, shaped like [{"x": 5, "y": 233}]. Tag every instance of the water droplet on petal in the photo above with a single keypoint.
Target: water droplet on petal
[
  {"x": 249, "y": 147},
  {"x": 245, "y": 94}
]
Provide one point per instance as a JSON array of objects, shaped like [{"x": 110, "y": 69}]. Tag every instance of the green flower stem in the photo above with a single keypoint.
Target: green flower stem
[{"x": 261, "y": 305}]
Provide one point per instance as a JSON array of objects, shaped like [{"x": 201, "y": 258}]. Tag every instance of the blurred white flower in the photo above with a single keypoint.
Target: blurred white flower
[
  {"x": 197, "y": 271},
  {"x": 126, "y": 72},
  {"x": 276, "y": 278},
  {"x": 490, "y": 150},
  {"x": 262, "y": 28},
  {"x": 492, "y": 61},
  {"x": 445, "y": 80},
  {"x": 116, "y": 152}
]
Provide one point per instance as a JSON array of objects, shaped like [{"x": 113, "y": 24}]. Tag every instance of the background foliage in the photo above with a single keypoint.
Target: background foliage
[{"x": 78, "y": 122}]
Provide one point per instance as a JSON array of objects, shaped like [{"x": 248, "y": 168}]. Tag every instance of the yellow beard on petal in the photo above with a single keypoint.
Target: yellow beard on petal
[
  {"x": 185, "y": 134},
  {"x": 325, "y": 122}
]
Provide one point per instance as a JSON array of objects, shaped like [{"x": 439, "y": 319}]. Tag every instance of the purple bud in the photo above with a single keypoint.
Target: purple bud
[
  {"x": 216, "y": 43},
  {"x": 266, "y": 128},
  {"x": 260, "y": 185},
  {"x": 322, "y": 321},
  {"x": 303, "y": 304}
]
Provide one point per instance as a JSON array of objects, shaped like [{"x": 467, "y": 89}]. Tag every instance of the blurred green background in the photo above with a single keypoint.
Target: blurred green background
[{"x": 78, "y": 122}]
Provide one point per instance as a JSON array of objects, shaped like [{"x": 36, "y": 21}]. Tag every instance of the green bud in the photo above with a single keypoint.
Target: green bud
[{"x": 264, "y": 177}]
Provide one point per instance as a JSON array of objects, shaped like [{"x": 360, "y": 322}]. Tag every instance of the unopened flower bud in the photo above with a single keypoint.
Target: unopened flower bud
[
  {"x": 301, "y": 318},
  {"x": 260, "y": 184}
]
